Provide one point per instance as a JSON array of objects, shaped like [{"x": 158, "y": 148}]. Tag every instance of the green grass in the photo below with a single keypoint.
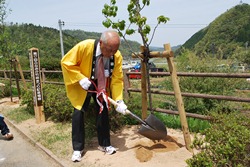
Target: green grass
[
  {"x": 56, "y": 138},
  {"x": 173, "y": 121},
  {"x": 19, "y": 114}
]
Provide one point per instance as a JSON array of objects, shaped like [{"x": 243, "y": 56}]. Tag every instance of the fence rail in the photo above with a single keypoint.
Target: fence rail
[{"x": 128, "y": 89}]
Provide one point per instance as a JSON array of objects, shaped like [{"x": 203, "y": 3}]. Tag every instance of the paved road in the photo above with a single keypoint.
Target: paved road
[{"x": 20, "y": 152}]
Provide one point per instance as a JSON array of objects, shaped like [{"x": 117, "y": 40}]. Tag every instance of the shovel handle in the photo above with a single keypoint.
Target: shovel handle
[
  {"x": 127, "y": 111},
  {"x": 115, "y": 104}
]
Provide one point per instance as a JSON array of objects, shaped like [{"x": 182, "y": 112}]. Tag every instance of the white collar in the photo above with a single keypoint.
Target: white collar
[{"x": 98, "y": 50}]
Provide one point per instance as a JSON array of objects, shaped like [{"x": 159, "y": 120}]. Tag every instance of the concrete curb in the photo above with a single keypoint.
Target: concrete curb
[{"x": 38, "y": 145}]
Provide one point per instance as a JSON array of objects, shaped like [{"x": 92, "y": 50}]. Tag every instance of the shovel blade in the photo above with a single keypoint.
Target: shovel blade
[{"x": 154, "y": 130}]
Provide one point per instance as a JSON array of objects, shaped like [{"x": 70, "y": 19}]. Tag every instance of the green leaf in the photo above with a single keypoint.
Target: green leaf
[
  {"x": 130, "y": 6},
  {"x": 146, "y": 29},
  {"x": 130, "y": 31},
  {"x": 113, "y": 2},
  {"x": 122, "y": 25},
  {"x": 106, "y": 23},
  {"x": 162, "y": 19}
]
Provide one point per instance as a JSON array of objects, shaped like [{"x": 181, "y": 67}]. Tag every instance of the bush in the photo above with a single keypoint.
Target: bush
[
  {"x": 226, "y": 143},
  {"x": 5, "y": 90},
  {"x": 27, "y": 99},
  {"x": 57, "y": 107},
  {"x": 55, "y": 102}
]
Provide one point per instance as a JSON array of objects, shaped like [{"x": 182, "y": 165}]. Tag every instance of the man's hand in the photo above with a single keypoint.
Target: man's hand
[
  {"x": 121, "y": 107},
  {"x": 85, "y": 83}
]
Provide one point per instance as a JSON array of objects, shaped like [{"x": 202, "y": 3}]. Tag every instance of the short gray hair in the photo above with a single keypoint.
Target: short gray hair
[{"x": 106, "y": 35}]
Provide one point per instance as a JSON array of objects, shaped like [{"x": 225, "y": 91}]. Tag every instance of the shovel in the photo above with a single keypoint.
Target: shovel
[{"x": 151, "y": 128}]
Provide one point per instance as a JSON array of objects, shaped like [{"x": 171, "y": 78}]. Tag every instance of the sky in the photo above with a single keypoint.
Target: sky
[{"x": 186, "y": 17}]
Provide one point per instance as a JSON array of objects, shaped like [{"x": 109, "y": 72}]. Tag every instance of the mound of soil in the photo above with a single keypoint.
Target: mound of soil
[{"x": 132, "y": 148}]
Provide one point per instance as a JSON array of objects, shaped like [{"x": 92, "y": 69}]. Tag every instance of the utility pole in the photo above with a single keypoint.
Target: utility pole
[{"x": 61, "y": 23}]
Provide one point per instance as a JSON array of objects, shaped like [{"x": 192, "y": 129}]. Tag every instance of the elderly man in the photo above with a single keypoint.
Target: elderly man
[{"x": 93, "y": 68}]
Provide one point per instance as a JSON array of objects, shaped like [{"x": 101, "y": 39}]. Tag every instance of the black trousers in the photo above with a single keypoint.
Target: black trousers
[
  {"x": 3, "y": 126},
  {"x": 102, "y": 125}
]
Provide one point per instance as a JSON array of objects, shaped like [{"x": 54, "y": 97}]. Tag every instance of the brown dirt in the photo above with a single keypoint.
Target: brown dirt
[{"x": 132, "y": 148}]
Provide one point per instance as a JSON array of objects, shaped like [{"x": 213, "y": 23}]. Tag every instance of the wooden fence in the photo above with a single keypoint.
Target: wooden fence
[{"x": 5, "y": 74}]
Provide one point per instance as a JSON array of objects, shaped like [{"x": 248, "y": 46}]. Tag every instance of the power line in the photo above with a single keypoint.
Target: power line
[{"x": 181, "y": 25}]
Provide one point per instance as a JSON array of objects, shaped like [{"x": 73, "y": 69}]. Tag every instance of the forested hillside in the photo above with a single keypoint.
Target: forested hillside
[
  {"x": 25, "y": 36},
  {"x": 124, "y": 48},
  {"x": 226, "y": 35}
]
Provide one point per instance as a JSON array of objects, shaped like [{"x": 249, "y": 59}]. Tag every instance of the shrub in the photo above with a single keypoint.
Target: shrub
[
  {"x": 57, "y": 107},
  {"x": 226, "y": 143},
  {"x": 27, "y": 99},
  {"x": 56, "y": 104},
  {"x": 5, "y": 90}
]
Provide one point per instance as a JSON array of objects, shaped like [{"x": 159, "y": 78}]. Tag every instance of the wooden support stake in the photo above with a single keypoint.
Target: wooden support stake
[
  {"x": 21, "y": 73},
  {"x": 178, "y": 98},
  {"x": 5, "y": 75},
  {"x": 144, "y": 88},
  {"x": 16, "y": 77},
  {"x": 153, "y": 54},
  {"x": 43, "y": 75},
  {"x": 126, "y": 83},
  {"x": 11, "y": 95}
]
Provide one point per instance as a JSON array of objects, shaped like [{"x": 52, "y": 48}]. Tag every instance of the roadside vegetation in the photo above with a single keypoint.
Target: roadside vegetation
[
  {"x": 227, "y": 116},
  {"x": 222, "y": 141}
]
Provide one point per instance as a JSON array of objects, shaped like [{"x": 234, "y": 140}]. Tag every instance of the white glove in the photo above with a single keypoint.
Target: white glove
[
  {"x": 106, "y": 73},
  {"x": 121, "y": 107},
  {"x": 85, "y": 83}
]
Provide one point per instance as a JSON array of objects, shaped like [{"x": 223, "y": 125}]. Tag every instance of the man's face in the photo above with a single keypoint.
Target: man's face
[{"x": 108, "y": 49}]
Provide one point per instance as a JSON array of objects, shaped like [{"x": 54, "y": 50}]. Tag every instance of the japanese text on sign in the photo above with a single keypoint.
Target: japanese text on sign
[{"x": 35, "y": 68}]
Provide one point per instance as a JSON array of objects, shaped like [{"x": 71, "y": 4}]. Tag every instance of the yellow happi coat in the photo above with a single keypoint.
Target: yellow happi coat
[{"x": 77, "y": 64}]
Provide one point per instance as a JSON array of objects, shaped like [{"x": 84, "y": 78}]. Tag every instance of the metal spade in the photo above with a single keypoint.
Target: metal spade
[{"x": 151, "y": 128}]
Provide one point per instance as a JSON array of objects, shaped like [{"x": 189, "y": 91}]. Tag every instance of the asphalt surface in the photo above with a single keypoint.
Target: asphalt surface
[{"x": 23, "y": 152}]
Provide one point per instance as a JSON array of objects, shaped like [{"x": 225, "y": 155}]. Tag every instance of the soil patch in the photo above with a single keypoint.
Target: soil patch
[
  {"x": 132, "y": 148},
  {"x": 145, "y": 150}
]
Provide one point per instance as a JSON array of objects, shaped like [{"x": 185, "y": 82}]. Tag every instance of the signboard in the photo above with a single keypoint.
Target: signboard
[
  {"x": 36, "y": 76},
  {"x": 37, "y": 84}
]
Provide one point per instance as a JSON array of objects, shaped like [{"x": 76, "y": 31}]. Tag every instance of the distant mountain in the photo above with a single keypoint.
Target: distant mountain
[
  {"x": 125, "y": 50},
  {"x": 25, "y": 36},
  {"x": 22, "y": 37},
  {"x": 224, "y": 35}
]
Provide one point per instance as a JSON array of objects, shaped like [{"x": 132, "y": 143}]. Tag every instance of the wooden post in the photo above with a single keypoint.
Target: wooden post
[
  {"x": 11, "y": 96},
  {"x": 37, "y": 84},
  {"x": 5, "y": 75},
  {"x": 144, "y": 88},
  {"x": 16, "y": 77},
  {"x": 126, "y": 83},
  {"x": 178, "y": 98},
  {"x": 21, "y": 73},
  {"x": 43, "y": 75}
]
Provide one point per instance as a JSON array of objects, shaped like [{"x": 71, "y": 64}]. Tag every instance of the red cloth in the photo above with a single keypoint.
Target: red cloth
[
  {"x": 100, "y": 74},
  {"x": 101, "y": 81}
]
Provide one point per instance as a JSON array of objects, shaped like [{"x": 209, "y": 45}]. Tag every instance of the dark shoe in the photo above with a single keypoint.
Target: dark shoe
[{"x": 8, "y": 136}]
